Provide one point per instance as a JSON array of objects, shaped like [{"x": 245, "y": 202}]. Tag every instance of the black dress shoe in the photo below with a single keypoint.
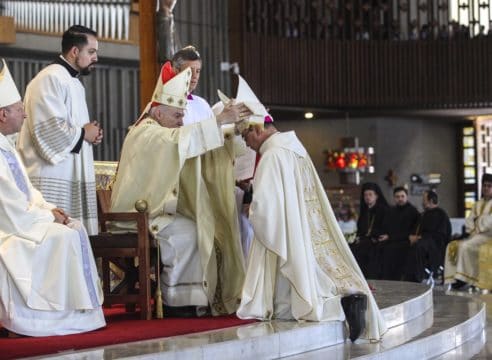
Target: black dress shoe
[
  {"x": 186, "y": 311},
  {"x": 355, "y": 307},
  {"x": 179, "y": 311},
  {"x": 460, "y": 285}
]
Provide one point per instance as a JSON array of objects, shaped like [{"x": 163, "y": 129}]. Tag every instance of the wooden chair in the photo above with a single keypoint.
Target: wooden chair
[{"x": 117, "y": 246}]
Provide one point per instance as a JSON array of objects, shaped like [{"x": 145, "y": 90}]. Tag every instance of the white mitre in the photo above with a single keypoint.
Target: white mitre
[
  {"x": 8, "y": 91},
  {"x": 246, "y": 96},
  {"x": 173, "y": 92}
]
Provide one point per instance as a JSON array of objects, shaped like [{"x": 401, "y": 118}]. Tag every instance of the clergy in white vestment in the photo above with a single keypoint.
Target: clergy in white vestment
[
  {"x": 48, "y": 278},
  {"x": 56, "y": 139},
  {"x": 198, "y": 269},
  {"x": 300, "y": 266},
  {"x": 461, "y": 261}
]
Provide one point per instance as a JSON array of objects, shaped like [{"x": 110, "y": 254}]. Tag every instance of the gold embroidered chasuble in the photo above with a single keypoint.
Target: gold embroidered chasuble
[{"x": 297, "y": 234}]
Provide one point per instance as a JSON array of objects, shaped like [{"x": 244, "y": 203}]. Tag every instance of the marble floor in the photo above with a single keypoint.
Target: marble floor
[
  {"x": 440, "y": 329},
  {"x": 480, "y": 347},
  {"x": 419, "y": 330}
]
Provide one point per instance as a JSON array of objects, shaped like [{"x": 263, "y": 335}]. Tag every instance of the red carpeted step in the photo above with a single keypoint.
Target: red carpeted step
[{"x": 121, "y": 328}]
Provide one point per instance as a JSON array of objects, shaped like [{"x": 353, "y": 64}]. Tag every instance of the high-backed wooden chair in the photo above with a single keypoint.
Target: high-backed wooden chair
[{"x": 117, "y": 246}]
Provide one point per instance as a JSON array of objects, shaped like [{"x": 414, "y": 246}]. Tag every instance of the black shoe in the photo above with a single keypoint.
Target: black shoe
[
  {"x": 460, "y": 285},
  {"x": 355, "y": 307},
  {"x": 179, "y": 311}
]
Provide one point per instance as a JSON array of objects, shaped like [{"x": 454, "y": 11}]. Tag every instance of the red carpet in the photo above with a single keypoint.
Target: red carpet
[{"x": 121, "y": 328}]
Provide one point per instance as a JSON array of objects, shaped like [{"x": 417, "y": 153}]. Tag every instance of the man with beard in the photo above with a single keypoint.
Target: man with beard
[
  {"x": 373, "y": 209},
  {"x": 56, "y": 139},
  {"x": 48, "y": 277},
  {"x": 394, "y": 243},
  {"x": 428, "y": 243}
]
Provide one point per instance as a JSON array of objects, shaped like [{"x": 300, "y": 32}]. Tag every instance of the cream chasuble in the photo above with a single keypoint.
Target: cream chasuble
[
  {"x": 162, "y": 166},
  {"x": 56, "y": 112},
  {"x": 210, "y": 201},
  {"x": 218, "y": 185},
  {"x": 48, "y": 278},
  {"x": 461, "y": 262},
  {"x": 296, "y": 233},
  {"x": 151, "y": 161}
]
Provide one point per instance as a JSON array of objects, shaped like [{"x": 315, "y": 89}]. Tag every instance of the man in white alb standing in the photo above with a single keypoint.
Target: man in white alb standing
[
  {"x": 56, "y": 139},
  {"x": 48, "y": 278}
]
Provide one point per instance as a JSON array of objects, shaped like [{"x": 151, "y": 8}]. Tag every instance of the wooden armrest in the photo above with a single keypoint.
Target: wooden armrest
[
  {"x": 141, "y": 218},
  {"x": 123, "y": 216}
]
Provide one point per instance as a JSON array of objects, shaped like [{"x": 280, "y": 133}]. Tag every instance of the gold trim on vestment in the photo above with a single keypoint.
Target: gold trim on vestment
[
  {"x": 453, "y": 247},
  {"x": 325, "y": 247}
]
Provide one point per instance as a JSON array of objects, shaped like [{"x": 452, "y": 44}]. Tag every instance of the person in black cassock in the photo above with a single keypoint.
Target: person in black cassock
[
  {"x": 373, "y": 208},
  {"x": 392, "y": 247},
  {"x": 429, "y": 241}
]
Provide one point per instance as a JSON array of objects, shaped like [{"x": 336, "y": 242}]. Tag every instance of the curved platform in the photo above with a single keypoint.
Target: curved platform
[{"x": 418, "y": 330}]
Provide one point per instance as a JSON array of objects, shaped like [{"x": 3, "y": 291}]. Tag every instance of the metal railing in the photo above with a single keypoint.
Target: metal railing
[
  {"x": 368, "y": 19},
  {"x": 110, "y": 18}
]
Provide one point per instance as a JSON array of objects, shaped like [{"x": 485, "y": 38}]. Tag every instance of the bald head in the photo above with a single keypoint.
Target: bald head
[
  {"x": 167, "y": 116},
  {"x": 11, "y": 118}
]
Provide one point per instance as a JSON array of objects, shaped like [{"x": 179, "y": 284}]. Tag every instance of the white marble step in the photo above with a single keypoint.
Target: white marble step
[
  {"x": 455, "y": 322},
  {"x": 470, "y": 349},
  {"x": 399, "y": 302}
]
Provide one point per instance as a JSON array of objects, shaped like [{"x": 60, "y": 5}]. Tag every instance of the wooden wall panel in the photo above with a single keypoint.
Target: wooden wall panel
[{"x": 347, "y": 74}]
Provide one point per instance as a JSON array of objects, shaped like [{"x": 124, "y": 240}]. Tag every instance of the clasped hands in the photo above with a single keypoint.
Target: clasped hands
[
  {"x": 381, "y": 238},
  {"x": 60, "y": 216},
  {"x": 93, "y": 133}
]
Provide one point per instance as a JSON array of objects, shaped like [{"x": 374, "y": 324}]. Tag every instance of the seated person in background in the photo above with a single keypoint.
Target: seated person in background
[
  {"x": 180, "y": 213},
  {"x": 373, "y": 209},
  {"x": 300, "y": 266},
  {"x": 393, "y": 244},
  {"x": 461, "y": 263},
  {"x": 48, "y": 278},
  {"x": 346, "y": 221},
  {"x": 428, "y": 243}
]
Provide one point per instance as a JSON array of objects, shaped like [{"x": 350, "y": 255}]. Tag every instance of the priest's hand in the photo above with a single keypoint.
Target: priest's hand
[
  {"x": 60, "y": 216},
  {"x": 92, "y": 132},
  {"x": 233, "y": 113},
  {"x": 99, "y": 137}
]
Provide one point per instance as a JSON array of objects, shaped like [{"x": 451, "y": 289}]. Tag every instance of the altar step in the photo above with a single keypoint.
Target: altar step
[
  {"x": 420, "y": 328},
  {"x": 453, "y": 328}
]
